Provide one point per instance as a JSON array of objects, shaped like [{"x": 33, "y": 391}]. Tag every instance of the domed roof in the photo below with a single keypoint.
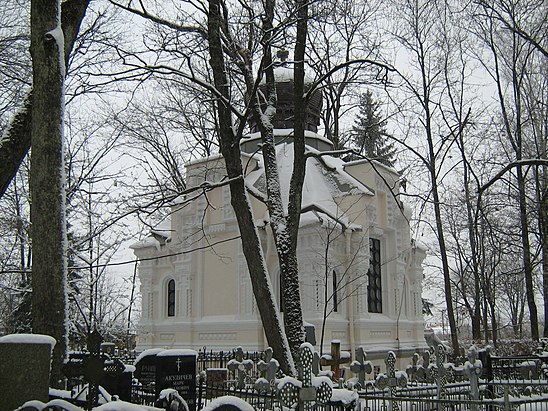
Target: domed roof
[{"x": 283, "y": 119}]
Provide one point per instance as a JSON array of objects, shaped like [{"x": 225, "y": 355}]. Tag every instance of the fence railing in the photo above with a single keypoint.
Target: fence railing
[{"x": 505, "y": 383}]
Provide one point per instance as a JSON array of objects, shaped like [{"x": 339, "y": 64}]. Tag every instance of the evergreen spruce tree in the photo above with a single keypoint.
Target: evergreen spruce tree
[{"x": 369, "y": 136}]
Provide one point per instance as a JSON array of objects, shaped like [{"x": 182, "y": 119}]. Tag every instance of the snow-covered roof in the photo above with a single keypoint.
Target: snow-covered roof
[
  {"x": 287, "y": 132},
  {"x": 283, "y": 74},
  {"x": 325, "y": 182},
  {"x": 158, "y": 236}
]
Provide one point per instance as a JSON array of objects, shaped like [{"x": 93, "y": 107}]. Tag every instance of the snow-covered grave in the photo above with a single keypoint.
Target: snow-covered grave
[{"x": 24, "y": 369}]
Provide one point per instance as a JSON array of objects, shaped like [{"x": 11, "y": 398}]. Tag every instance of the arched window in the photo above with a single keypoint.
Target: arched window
[
  {"x": 171, "y": 298},
  {"x": 374, "y": 286}
]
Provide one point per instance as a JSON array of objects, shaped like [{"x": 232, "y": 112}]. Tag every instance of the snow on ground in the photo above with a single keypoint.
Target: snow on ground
[
  {"x": 228, "y": 400},
  {"x": 39, "y": 405}
]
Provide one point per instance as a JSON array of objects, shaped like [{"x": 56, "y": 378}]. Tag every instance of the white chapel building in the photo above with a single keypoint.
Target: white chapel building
[{"x": 358, "y": 266}]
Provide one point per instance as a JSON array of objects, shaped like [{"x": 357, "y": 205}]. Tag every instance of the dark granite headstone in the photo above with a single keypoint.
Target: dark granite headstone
[
  {"x": 145, "y": 366},
  {"x": 310, "y": 333},
  {"x": 119, "y": 385},
  {"x": 177, "y": 369},
  {"x": 24, "y": 369}
]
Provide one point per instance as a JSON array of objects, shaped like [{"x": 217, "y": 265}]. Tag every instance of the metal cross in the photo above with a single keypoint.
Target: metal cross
[
  {"x": 361, "y": 367},
  {"x": 93, "y": 367},
  {"x": 335, "y": 359},
  {"x": 306, "y": 395}
]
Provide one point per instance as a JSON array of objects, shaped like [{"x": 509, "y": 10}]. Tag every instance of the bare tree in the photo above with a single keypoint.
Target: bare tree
[
  {"x": 342, "y": 31},
  {"x": 418, "y": 31},
  {"x": 512, "y": 57},
  {"x": 16, "y": 139}
]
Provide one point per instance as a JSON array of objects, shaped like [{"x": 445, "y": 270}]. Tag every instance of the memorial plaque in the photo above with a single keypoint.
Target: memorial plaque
[
  {"x": 177, "y": 369},
  {"x": 108, "y": 348}
]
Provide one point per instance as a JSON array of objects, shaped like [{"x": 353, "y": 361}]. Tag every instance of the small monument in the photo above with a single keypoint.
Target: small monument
[{"x": 24, "y": 369}]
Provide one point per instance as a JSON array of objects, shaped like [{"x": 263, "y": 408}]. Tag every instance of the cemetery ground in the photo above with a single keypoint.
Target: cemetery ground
[{"x": 181, "y": 379}]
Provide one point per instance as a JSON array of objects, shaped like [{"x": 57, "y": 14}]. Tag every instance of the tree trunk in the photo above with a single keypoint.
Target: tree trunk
[
  {"x": 527, "y": 264},
  {"x": 49, "y": 268},
  {"x": 230, "y": 149}
]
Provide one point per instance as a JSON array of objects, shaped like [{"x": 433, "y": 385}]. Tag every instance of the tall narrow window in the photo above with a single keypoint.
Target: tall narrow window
[
  {"x": 335, "y": 296},
  {"x": 374, "y": 286},
  {"x": 171, "y": 298}
]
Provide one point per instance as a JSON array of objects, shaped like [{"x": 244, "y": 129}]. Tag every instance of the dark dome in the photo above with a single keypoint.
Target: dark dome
[{"x": 283, "y": 119}]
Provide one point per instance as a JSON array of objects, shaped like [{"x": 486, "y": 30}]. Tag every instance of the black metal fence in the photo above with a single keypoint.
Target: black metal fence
[{"x": 506, "y": 383}]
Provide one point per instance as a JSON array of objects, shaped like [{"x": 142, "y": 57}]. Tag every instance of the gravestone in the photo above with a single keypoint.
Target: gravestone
[
  {"x": 177, "y": 369},
  {"x": 24, "y": 369},
  {"x": 240, "y": 367},
  {"x": 439, "y": 373},
  {"x": 304, "y": 394},
  {"x": 145, "y": 366},
  {"x": 310, "y": 333},
  {"x": 472, "y": 369},
  {"x": 391, "y": 380},
  {"x": 108, "y": 348},
  {"x": 216, "y": 379},
  {"x": 93, "y": 367},
  {"x": 361, "y": 366},
  {"x": 119, "y": 385}
]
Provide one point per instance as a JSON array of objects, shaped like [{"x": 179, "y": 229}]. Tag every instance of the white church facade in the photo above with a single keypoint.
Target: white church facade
[{"x": 360, "y": 272}]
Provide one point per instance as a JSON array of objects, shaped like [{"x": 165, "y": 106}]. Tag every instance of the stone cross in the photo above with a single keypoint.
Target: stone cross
[
  {"x": 240, "y": 367},
  {"x": 268, "y": 369},
  {"x": 360, "y": 366},
  {"x": 423, "y": 371},
  {"x": 439, "y": 373},
  {"x": 305, "y": 395},
  {"x": 335, "y": 359},
  {"x": 472, "y": 369},
  {"x": 412, "y": 370},
  {"x": 391, "y": 379}
]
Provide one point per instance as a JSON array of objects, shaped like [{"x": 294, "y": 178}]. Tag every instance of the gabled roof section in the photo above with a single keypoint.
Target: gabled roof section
[
  {"x": 325, "y": 182},
  {"x": 158, "y": 236}
]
